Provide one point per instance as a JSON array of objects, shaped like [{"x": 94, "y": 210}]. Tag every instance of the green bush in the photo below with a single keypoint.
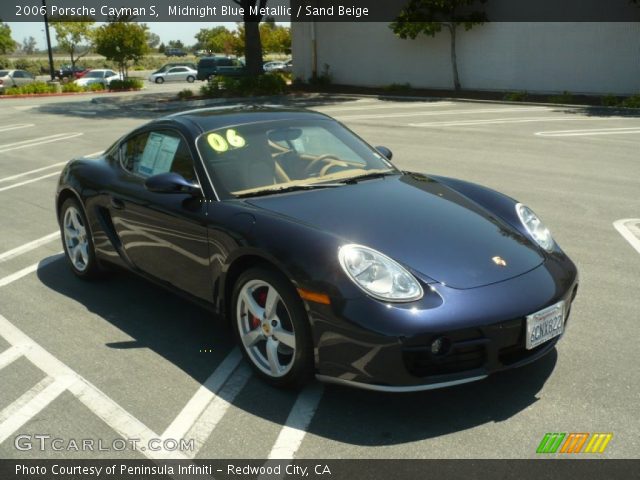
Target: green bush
[
  {"x": 609, "y": 100},
  {"x": 5, "y": 63},
  {"x": 32, "y": 88},
  {"x": 95, "y": 87},
  {"x": 631, "y": 102},
  {"x": 72, "y": 88},
  {"x": 565, "y": 97},
  {"x": 34, "y": 67},
  {"x": 185, "y": 94},
  {"x": 128, "y": 84},
  {"x": 516, "y": 96},
  {"x": 249, "y": 86}
]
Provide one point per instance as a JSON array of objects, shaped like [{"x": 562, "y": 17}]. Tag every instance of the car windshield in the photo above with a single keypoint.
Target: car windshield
[
  {"x": 246, "y": 160},
  {"x": 93, "y": 75}
]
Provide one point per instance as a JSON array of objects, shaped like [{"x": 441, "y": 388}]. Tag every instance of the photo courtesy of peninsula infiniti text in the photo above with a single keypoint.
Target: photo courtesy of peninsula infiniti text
[{"x": 325, "y": 259}]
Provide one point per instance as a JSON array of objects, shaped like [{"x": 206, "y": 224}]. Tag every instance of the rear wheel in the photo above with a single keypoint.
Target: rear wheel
[
  {"x": 191, "y": 79},
  {"x": 77, "y": 240},
  {"x": 272, "y": 328}
]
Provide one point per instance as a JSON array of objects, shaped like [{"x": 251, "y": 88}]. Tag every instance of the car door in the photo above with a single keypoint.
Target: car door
[
  {"x": 180, "y": 74},
  {"x": 163, "y": 235},
  {"x": 19, "y": 78}
]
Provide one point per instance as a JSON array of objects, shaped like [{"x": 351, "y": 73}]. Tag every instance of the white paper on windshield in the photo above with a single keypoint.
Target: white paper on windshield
[{"x": 158, "y": 154}]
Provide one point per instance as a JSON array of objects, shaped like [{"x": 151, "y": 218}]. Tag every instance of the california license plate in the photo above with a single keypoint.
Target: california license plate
[{"x": 544, "y": 325}]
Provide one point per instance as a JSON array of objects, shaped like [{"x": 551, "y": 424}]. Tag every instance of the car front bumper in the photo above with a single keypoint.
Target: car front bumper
[{"x": 369, "y": 344}]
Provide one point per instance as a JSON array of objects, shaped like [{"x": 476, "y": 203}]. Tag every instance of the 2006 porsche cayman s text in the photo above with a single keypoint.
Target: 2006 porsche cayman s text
[{"x": 325, "y": 258}]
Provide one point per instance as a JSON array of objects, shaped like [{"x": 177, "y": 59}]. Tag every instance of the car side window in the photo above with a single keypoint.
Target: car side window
[
  {"x": 152, "y": 153},
  {"x": 18, "y": 74}
]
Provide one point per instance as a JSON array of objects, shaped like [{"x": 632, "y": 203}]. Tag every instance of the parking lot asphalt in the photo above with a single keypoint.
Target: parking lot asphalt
[{"x": 120, "y": 358}]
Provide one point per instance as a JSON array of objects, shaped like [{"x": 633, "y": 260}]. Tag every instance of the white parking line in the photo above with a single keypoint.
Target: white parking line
[
  {"x": 626, "y": 227},
  {"x": 65, "y": 378},
  {"x": 28, "y": 246},
  {"x": 446, "y": 112},
  {"x": 201, "y": 430},
  {"x": 26, "y": 182},
  {"x": 203, "y": 397},
  {"x": 18, "y": 126},
  {"x": 30, "y": 404},
  {"x": 25, "y": 174},
  {"x": 4, "y": 281},
  {"x": 10, "y": 355},
  {"x": 381, "y": 107},
  {"x": 38, "y": 141},
  {"x": 589, "y": 132},
  {"x": 295, "y": 428},
  {"x": 493, "y": 121}
]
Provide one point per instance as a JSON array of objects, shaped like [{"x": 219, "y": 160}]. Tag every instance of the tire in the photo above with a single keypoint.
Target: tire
[
  {"x": 75, "y": 232},
  {"x": 191, "y": 79},
  {"x": 159, "y": 80},
  {"x": 277, "y": 345}
]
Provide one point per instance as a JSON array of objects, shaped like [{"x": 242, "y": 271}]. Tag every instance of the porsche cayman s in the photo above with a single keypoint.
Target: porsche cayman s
[{"x": 326, "y": 259}]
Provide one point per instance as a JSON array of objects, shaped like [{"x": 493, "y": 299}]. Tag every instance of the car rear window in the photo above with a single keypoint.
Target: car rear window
[{"x": 4, "y": 73}]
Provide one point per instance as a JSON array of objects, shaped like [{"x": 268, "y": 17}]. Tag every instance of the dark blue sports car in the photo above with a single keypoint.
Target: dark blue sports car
[{"x": 325, "y": 258}]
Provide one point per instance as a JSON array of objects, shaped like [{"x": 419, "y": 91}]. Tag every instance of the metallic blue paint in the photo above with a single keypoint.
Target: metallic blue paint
[{"x": 445, "y": 231}]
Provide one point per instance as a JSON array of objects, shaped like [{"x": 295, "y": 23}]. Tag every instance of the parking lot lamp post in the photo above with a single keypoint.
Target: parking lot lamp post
[{"x": 46, "y": 29}]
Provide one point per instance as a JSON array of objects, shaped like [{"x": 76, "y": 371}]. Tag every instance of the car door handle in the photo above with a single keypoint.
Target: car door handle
[{"x": 117, "y": 203}]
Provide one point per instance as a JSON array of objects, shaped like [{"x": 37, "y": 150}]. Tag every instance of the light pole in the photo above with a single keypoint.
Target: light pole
[{"x": 46, "y": 30}]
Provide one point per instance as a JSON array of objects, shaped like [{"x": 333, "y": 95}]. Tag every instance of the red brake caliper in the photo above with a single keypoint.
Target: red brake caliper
[{"x": 262, "y": 300}]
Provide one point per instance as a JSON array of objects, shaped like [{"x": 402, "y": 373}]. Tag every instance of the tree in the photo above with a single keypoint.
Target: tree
[
  {"x": 153, "y": 40},
  {"x": 176, "y": 44},
  {"x": 429, "y": 17},
  {"x": 29, "y": 45},
  {"x": 252, "y": 43},
  {"x": 71, "y": 35},
  {"x": 7, "y": 44},
  {"x": 275, "y": 39},
  {"x": 220, "y": 40},
  {"x": 122, "y": 41}
]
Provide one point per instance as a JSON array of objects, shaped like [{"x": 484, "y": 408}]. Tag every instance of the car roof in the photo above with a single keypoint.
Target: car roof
[{"x": 214, "y": 118}]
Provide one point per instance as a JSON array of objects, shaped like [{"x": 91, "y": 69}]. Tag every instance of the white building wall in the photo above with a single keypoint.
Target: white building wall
[{"x": 536, "y": 57}]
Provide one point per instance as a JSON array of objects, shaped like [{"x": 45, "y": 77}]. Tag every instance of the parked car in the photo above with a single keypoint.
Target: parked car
[
  {"x": 67, "y": 72},
  {"x": 175, "y": 52},
  {"x": 209, "y": 67},
  {"x": 275, "y": 66},
  {"x": 103, "y": 76},
  {"x": 14, "y": 78},
  {"x": 174, "y": 74},
  {"x": 324, "y": 258},
  {"x": 167, "y": 66},
  {"x": 203, "y": 53}
]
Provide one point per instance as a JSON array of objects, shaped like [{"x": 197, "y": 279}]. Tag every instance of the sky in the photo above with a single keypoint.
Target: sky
[{"x": 183, "y": 31}]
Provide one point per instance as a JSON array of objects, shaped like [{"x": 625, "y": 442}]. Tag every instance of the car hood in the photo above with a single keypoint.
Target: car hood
[{"x": 421, "y": 223}]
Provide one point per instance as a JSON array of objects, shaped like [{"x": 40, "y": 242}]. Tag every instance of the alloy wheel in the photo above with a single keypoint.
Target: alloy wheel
[{"x": 265, "y": 328}]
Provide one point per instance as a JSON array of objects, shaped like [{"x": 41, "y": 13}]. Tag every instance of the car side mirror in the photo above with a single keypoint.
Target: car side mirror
[
  {"x": 171, "y": 182},
  {"x": 388, "y": 154}
]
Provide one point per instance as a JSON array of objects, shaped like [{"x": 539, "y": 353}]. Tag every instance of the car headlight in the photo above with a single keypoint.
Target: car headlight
[
  {"x": 535, "y": 227},
  {"x": 378, "y": 275}
]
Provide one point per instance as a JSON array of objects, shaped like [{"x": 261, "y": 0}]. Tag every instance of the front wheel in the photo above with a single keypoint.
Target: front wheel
[
  {"x": 77, "y": 240},
  {"x": 159, "y": 80},
  {"x": 272, "y": 328}
]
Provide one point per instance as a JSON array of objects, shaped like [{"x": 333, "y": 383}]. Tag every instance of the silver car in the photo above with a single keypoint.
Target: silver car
[
  {"x": 14, "y": 78},
  {"x": 174, "y": 74}
]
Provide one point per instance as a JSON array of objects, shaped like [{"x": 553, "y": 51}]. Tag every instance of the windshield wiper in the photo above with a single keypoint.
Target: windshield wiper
[
  {"x": 291, "y": 188},
  {"x": 368, "y": 176}
]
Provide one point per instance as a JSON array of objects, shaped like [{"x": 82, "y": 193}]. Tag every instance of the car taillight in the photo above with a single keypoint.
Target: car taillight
[{"x": 1, "y": 82}]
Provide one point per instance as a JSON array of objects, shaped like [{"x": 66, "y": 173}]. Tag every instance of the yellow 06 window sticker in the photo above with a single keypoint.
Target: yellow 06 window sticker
[{"x": 221, "y": 144}]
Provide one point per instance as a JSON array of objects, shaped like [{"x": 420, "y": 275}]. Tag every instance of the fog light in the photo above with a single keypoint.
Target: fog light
[{"x": 440, "y": 346}]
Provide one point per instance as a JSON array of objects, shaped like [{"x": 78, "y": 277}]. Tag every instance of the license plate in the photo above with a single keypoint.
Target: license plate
[{"x": 544, "y": 325}]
